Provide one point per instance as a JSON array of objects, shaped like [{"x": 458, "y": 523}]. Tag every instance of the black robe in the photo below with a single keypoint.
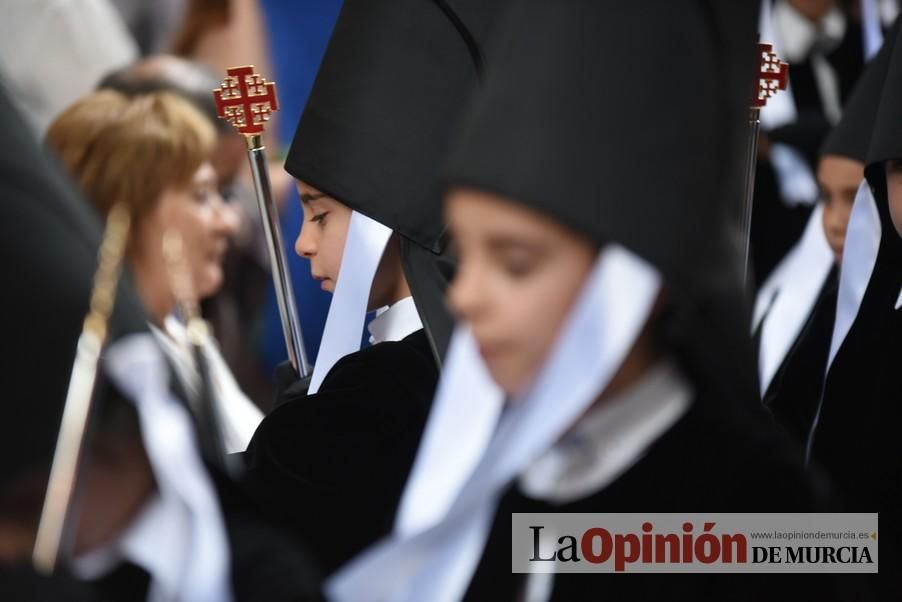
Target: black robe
[
  {"x": 704, "y": 463},
  {"x": 857, "y": 438},
  {"x": 795, "y": 390},
  {"x": 24, "y": 584},
  {"x": 266, "y": 564},
  {"x": 329, "y": 469}
]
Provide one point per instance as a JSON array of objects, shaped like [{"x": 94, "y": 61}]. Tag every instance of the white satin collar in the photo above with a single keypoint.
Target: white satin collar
[
  {"x": 395, "y": 322},
  {"x": 610, "y": 438}
]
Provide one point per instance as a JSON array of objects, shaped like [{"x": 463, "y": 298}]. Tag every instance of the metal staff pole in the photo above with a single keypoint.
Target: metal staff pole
[
  {"x": 750, "y": 169},
  {"x": 771, "y": 77},
  {"x": 246, "y": 101}
]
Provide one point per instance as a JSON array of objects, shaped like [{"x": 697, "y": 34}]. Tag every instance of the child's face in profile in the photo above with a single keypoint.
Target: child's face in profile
[
  {"x": 838, "y": 179},
  {"x": 323, "y": 233}
]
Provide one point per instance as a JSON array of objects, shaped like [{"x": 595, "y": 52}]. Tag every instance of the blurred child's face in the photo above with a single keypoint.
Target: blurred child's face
[
  {"x": 838, "y": 179},
  {"x": 894, "y": 192},
  {"x": 517, "y": 277},
  {"x": 323, "y": 233}
]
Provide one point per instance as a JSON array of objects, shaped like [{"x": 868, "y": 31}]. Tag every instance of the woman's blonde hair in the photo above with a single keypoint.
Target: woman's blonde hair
[{"x": 131, "y": 149}]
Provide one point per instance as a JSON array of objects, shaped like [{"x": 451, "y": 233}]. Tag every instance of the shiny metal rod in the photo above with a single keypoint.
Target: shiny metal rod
[
  {"x": 751, "y": 164},
  {"x": 288, "y": 313}
]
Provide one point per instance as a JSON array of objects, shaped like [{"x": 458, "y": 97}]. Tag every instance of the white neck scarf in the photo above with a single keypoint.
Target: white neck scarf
[
  {"x": 859, "y": 257},
  {"x": 343, "y": 331},
  {"x": 191, "y": 563},
  {"x": 445, "y": 517},
  {"x": 801, "y": 276}
]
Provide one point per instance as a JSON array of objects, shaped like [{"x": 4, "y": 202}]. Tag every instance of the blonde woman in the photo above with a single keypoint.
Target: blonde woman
[{"x": 152, "y": 152}]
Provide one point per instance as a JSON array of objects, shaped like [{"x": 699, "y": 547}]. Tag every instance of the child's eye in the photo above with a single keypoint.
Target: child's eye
[
  {"x": 518, "y": 268},
  {"x": 319, "y": 217},
  {"x": 517, "y": 264}
]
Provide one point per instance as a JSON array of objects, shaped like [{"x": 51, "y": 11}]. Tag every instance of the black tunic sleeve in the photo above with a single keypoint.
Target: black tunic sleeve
[{"x": 329, "y": 469}]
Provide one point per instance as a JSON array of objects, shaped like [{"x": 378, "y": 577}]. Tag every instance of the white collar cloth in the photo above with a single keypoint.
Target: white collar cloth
[
  {"x": 360, "y": 259},
  {"x": 238, "y": 415},
  {"x": 790, "y": 295},
  {"x": 607, "y": 442},
  {"x": 610, "y": 438},
  {"x": 395, "y": 322},
  {"x": 860, "y": 250},
  {"x": 859, "y": 257},
  {"x": 179, "y": 537},
  {"x": 444, "y": 519}
]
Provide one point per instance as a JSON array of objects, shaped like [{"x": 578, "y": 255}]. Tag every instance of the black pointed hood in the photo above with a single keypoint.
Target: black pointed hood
[
  {"x": 886, "y": 140},
  {"x": 379, "y": 120},
  {"x": 630, "y": 136},
  {"x": 629, "y": 130},
  {"x": 383, "y": 107},
  {"x": 852, "y": 135},
  {"x": 886, "y": 143}
]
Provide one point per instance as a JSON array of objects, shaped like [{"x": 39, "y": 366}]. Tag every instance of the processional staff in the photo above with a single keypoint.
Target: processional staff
[
  {"x": 247, "y": 101},
  {"x": 771, "y": 77}
]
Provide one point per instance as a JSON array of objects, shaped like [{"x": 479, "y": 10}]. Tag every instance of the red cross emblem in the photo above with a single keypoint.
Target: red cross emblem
[
  {"x": 773, "y": 76},
  {"x": 246, "y": 100}
]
